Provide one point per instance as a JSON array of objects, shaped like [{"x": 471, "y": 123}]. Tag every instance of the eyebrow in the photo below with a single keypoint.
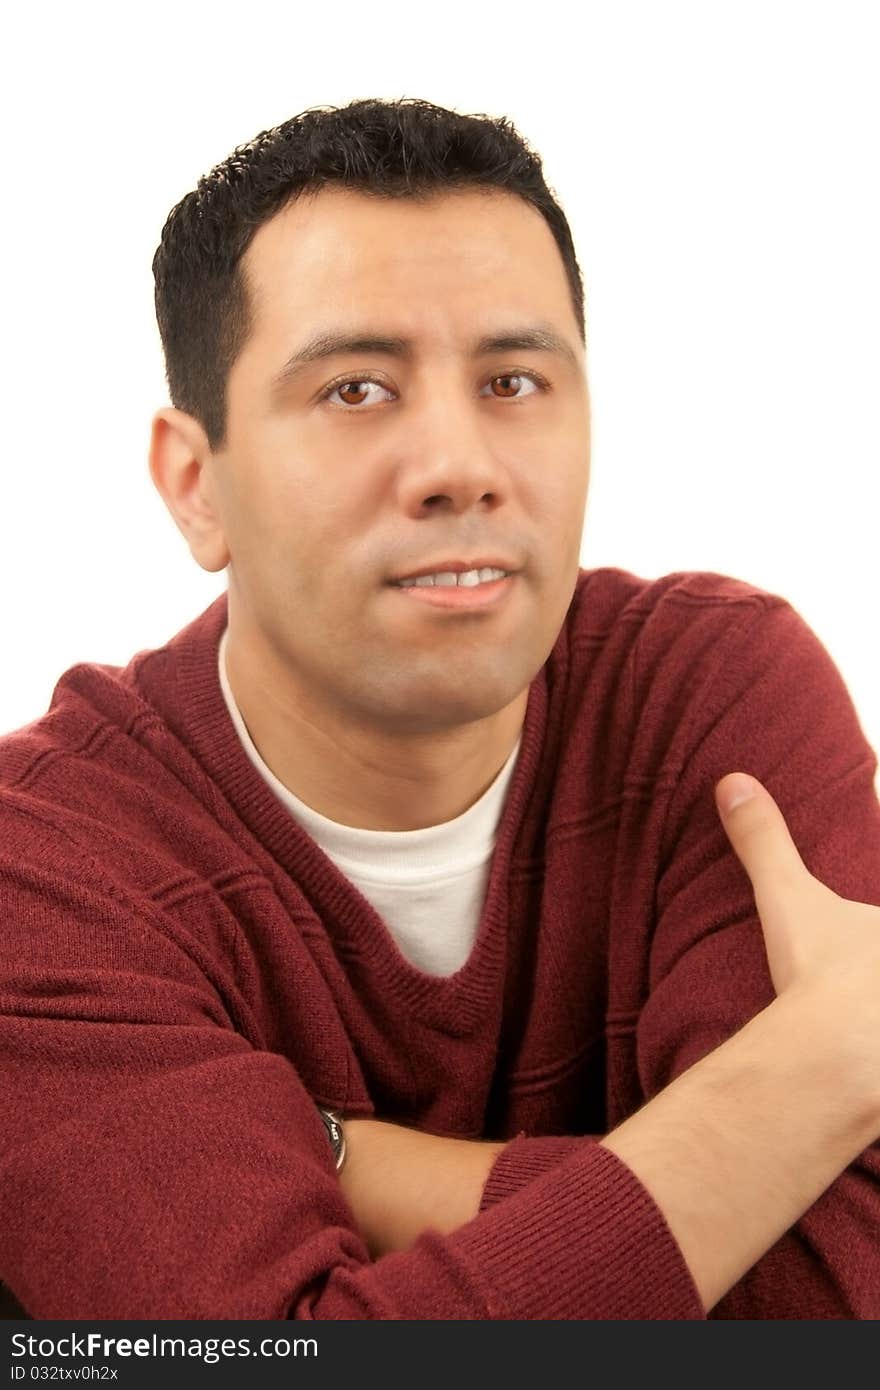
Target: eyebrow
[{"x": 540, "y": 338}]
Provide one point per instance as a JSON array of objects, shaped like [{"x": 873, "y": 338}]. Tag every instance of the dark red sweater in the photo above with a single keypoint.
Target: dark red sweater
[{"x": 184, "y": 973}]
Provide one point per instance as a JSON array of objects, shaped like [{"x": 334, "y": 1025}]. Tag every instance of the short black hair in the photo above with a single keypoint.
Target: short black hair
[{"x": 393, "y": 149}]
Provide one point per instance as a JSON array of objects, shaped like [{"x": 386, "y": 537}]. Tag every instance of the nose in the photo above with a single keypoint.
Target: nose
[{"x": 450, "y": 453}]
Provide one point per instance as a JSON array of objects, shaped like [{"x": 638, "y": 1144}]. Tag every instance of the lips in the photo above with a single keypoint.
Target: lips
[
  {"x": 493, "y": 562},
  {"x": 454, "y": 598}
]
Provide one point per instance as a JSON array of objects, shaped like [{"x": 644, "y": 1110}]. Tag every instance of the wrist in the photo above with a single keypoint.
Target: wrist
[{"x": 829, "y": 1025}]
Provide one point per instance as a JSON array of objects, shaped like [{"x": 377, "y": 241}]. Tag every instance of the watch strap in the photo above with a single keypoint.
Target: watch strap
[{"x": 335, "y": 1133}]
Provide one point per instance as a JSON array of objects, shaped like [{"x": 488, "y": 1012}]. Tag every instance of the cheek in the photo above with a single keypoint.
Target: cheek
[
  {"x": 272, "y": 520},
  {"x": 561, "y": 494}
]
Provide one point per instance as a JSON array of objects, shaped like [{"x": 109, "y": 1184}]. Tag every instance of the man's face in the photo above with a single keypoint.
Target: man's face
[{"x": 322, "y": 498}]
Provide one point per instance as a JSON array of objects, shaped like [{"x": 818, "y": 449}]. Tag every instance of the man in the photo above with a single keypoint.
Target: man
[{"x": 376, "y": 949}]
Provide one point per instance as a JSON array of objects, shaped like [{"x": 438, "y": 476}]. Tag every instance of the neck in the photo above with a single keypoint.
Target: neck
[{"x": 362, "y": 777}]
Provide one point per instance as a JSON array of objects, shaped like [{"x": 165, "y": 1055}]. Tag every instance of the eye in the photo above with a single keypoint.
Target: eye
[
  {"x": 357, "y": 386},
  {"x": 509, "y": 377},
  {"x": 354, "y": 384}
]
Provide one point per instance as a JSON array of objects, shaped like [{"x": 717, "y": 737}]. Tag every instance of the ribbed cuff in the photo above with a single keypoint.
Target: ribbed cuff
[
  {"x": 523, "y": 1160},
  {"x": 586, "y": 1240}
]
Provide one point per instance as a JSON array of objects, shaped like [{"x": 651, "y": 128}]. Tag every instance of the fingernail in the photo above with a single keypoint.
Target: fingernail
[{"x": 736, "y": 790}]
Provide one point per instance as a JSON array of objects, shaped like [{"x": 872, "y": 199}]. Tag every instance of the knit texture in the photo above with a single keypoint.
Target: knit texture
[{"x": 184, "y": 974}]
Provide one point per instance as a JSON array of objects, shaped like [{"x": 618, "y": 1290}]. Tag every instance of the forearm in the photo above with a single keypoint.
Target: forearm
[
  {"x": 738, "y": 1147},
  {"x": 401, "y": 1182}
]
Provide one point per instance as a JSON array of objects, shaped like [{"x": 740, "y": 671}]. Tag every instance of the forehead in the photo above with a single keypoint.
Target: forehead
[{"x": 346, "y": 251}]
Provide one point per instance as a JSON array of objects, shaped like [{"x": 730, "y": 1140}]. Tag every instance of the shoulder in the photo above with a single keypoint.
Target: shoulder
[
  {"x": 641, "y": 630},
  {"x": 89, "y": 783},
  {"x": 610, "y": 595}
]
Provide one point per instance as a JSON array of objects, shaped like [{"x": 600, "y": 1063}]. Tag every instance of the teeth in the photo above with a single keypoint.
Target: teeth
[{"x": 449, "y": 579}]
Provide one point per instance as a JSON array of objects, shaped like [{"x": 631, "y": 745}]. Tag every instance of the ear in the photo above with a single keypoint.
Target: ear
[{"x": 181, "y": 470}]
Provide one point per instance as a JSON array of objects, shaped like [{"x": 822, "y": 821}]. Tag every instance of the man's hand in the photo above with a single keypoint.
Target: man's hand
[{"x": 813, "y": 937}]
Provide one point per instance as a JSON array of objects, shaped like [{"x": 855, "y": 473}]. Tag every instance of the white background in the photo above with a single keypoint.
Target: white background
[{"x": 718, "y": 164}]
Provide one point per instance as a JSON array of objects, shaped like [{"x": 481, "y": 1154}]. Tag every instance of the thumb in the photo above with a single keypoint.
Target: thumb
[{"x": 760, "y": 837}]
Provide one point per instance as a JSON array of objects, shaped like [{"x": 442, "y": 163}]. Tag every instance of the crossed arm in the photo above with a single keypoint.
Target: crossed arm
[{"x": 728, "y": 1157}]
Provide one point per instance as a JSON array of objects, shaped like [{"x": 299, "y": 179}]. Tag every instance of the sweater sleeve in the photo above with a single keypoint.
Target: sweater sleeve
[
  {"x": 154, "y": 1164},
  {"x": 785, "y": 716}
]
